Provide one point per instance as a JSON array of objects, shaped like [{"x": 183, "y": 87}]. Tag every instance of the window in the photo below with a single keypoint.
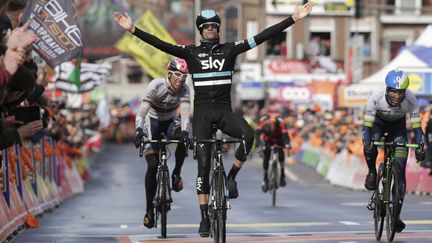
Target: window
[
  {"x": 392, "y": 41},
  {"x": 395, "y": 46},
  {"x": 412, "y": 7},
  {"x": 276, "y": 46},
  {"x": 319, "y": 44},
  {"x": 366, "y": 27},
  {"x": 281, "y": 44},
  {"x": 320, "y": 38},
  {"x": 134, "y": 73},
  {"x": 367, "y": 43},
  {"x": 232, "y": 30}
]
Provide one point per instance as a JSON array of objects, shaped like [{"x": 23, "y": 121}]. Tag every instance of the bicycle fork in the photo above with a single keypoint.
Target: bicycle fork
[
  {"x": 163, "y": 192},
  {"x": 214, "y": 204}
]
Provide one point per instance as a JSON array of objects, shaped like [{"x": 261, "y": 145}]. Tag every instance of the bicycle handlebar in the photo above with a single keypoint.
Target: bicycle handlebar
[
  {"x": 408, "y": 145},
  {"x": 163, "y": 141},
  {"x": 223, "y": 140}
]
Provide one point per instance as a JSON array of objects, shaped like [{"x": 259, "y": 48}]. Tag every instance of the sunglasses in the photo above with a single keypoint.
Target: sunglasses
[
  {"x": 208, "y": 25},
  {"x": 179, "y": 74},
  {"x": 397, "y": 91}
]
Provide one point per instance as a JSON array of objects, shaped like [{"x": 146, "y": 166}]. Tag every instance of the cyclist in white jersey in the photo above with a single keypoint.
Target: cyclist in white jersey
[
  {"x": 157, "y": 115},
  {"x": 385, "y": 112}
]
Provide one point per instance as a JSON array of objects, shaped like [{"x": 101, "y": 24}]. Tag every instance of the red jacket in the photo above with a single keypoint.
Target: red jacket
[{"x": 272, "y": 130}]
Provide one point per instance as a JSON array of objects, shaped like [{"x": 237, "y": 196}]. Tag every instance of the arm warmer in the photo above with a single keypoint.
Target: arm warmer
[
  {"x": 142, "y": 113},
  {"x": 184, "y": 113}
]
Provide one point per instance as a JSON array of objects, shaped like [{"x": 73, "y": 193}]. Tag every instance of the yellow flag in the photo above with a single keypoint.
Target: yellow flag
[{"x": 151, "y": 59}]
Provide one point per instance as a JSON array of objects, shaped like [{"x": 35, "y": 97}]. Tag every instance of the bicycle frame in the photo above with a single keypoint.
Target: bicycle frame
[
  {"x": 219, "y": 200},
  {"x": 384, "y": 201}
]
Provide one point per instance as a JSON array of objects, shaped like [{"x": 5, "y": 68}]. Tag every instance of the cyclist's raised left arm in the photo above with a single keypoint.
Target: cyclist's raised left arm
[{"x": 299, "y": 13}]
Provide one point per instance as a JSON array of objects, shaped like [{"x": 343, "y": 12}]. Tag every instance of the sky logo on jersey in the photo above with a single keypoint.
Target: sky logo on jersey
[
  {"x": 238, "y": 42},
  {"x": 210, "y": 63}
]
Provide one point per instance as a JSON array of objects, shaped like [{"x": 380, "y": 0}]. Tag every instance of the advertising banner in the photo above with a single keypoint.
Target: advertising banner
[
  {"x": 322, "y": 7},
  {"x": 54, "y": 23}
]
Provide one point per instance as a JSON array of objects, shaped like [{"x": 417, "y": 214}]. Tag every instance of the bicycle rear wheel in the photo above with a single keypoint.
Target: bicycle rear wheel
[
  {"x": 393, "y": 204},
  {"x": 379, "y": 210}
]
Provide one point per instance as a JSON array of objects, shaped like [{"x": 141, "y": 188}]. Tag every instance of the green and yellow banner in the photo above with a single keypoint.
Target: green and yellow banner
[{"x": 151, "y": 59}]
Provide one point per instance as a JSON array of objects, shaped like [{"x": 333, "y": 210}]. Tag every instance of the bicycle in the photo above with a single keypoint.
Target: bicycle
[
  {"x": 385, "y": 200},
  {"x": 219, "y": 200},
  {"x": 274, "y": 178},
  {"x": 162, "y": 199}
]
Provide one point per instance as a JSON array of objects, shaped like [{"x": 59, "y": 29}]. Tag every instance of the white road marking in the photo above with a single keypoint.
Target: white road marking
[
  {"x": 354, "y": 204},
  {"x": 290, "y": 175},
  {"x": 349, "y": 223}
]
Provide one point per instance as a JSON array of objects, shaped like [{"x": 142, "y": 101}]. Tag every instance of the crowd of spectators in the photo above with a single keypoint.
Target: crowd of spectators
[
  {"x": 19, "y": 80},
  {"x": 25, "y": 112},
  {"x": 334, "y": 130}
]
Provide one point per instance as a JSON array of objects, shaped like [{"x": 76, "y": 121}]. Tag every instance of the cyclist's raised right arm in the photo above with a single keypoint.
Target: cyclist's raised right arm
[
  {"x": 125, "y": 22},
  {"x": 175, "y": 50}
]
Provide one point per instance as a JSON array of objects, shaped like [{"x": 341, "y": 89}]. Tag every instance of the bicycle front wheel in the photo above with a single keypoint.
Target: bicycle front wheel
[
  {"x": 379, "y": 209},
  {"x": 274, "y": 180},
  {"x": 164, "y": 203},
  {"x": 393, "y": 204},
  {"x": 219, "y": 222}
]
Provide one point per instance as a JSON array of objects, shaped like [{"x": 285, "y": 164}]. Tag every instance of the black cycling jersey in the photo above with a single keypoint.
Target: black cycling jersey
[{"x": 212, "y": 65}]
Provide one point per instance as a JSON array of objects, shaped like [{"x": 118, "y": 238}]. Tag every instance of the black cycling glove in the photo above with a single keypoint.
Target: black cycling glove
[
  {"x": 139, "y": 134},
  {"x": 420, "y": 154}
]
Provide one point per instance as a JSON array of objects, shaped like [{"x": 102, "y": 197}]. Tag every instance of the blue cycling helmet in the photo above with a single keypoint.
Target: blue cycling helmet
[
  {"x": 397, "y": 79},
  {"x": 205, "y": 16}
]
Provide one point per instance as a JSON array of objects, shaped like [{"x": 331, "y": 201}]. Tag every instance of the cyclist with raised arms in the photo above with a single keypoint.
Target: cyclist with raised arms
[
  {"x": 271, "y": 130},
  {"x": 212, "y": 65},
  {"x": 157, "y": 115},
  {"x": 385, "y": 112}
]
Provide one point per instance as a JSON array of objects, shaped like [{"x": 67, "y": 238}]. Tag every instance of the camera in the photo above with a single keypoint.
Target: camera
[{"x": 27, "y": 114}]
